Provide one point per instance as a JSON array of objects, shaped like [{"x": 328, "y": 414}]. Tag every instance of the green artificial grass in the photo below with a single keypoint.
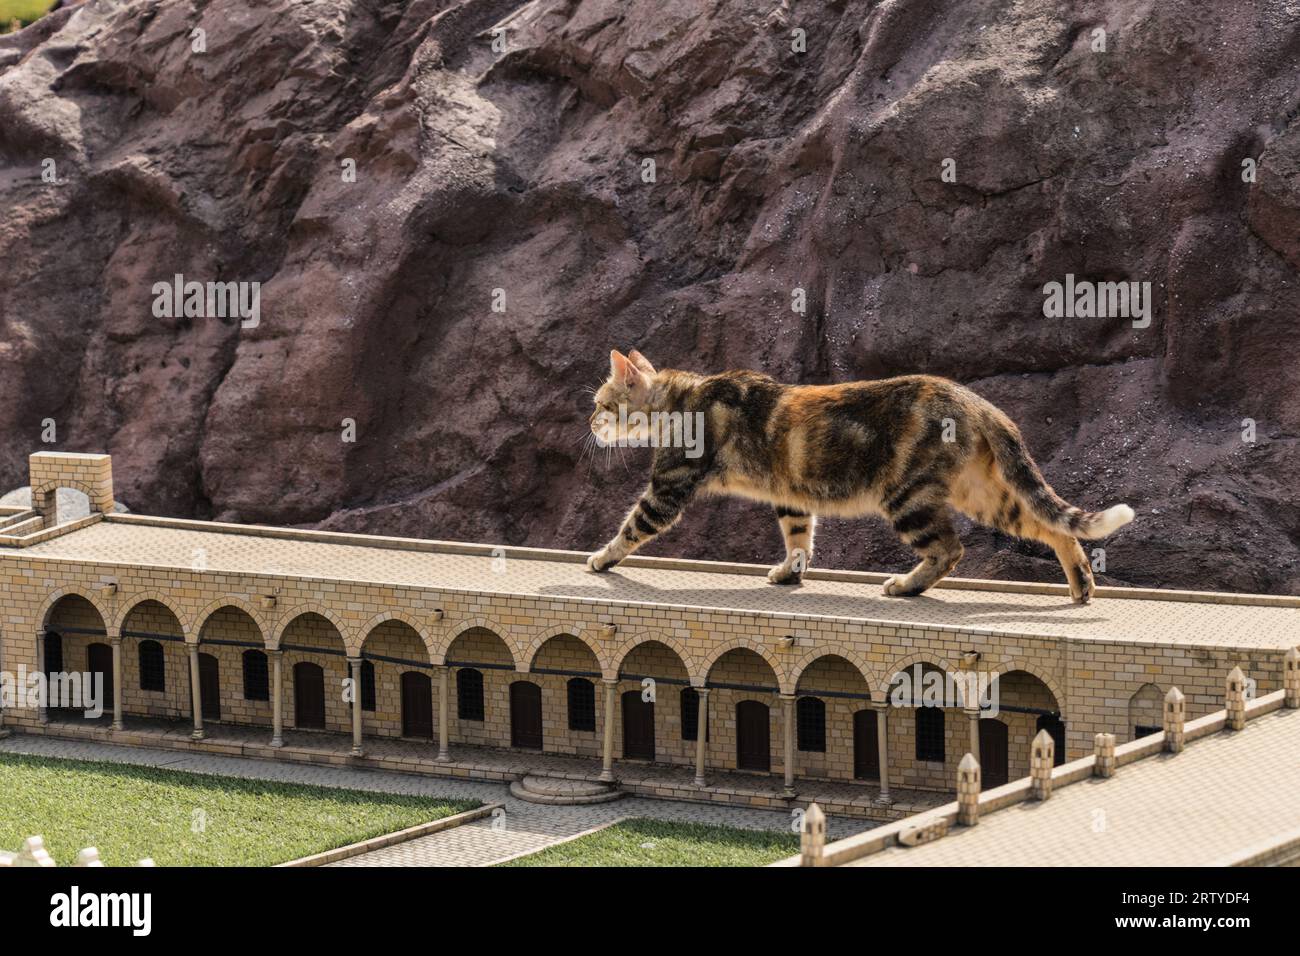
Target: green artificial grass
[
  {"x": 658, "y": 843},
  {"x": 24, "y": 11},
  {"x": 189, "y": 819}
]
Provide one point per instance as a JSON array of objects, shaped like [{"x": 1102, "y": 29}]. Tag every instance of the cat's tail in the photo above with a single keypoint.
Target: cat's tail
[{"x": 1021, "y": 473}]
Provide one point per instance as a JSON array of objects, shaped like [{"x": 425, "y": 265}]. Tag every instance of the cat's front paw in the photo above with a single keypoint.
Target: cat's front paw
[
  {"x": 784, "y": 574},
  {"x": 895, "y": 586},
  {"x": 600, "y": 561}
]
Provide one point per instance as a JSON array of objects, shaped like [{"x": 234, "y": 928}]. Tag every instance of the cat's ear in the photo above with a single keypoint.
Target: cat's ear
[
  {"x": 641, "y": 362},
  {"x": 622, "y": 369}
]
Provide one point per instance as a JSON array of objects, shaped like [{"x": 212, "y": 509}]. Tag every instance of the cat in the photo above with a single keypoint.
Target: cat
[{"x": 909, "y": 448}]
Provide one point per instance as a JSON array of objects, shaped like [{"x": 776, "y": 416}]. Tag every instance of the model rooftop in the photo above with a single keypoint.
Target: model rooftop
[
  {"x": 1041, "y": 610},
  {"x": 1212, "y": 805}
]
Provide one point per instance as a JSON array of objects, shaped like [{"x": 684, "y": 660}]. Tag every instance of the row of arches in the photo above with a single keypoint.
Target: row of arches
[
  {"x": 434, "y": 645},
  {"x": 830, "y": 721}
]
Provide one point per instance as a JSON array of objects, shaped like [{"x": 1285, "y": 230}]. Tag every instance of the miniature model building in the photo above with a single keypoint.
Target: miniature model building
[
  {"x": 683, "y": 679},
  {"x": 1216, "y": 791}
]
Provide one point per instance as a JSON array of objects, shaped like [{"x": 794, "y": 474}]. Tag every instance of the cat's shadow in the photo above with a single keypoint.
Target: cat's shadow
[{"x": 795, "y": 599}]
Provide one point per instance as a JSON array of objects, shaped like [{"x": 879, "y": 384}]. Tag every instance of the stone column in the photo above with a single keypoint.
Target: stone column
[
  {"x": 355, "y": 663},
  {"x": 42, "y": 711},
  {"x": 787, "y": 718},
  {"x": 607, "y": 761},
  {"x": 277, "y": 699},
  {"x": 117, "y": 682},
  {"x": 882, "y": 747},
  {"x": 196, "y": 699},
  {"x": 974, "y": 715},
  {"x": 701, "y": 734},
  {"x": 444, "y": 713}
]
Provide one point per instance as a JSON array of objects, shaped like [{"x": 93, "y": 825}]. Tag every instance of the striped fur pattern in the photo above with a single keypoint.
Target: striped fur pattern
[{"x": 911, "y": 448}]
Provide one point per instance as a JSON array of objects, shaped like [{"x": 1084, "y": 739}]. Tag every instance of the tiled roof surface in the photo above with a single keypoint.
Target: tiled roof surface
[
  {"x": 978, "y": 606},
  {"x": 1222, "y": 796}
]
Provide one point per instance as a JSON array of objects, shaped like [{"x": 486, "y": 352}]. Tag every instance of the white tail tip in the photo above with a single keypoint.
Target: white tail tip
[{"x": 1112, "y": 519}]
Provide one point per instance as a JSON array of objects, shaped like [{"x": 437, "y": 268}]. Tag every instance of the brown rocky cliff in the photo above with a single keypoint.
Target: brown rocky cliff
[{"x": 522, "y": 170}]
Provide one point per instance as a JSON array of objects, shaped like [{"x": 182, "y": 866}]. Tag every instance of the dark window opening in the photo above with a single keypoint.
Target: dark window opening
[
  {"x": 367, "y": 686},
  {"x": 153, "y": 672},
  {"x": 257, "y": 684},
  {"x": 469, "y": 694},
  {"x": 690, "y": 701},
  {"x": 929, "y": 734},
  {"x": 810, "y": 722},
  {"x": 582, "y": 704},
  {"x": 53, "y": 653}
]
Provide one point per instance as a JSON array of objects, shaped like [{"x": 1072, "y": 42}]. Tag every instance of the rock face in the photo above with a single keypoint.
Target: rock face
[{"x": 515, "y": 173}]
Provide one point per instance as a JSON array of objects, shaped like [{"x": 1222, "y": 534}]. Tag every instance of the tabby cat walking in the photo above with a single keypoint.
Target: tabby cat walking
[{"x": 909, "y": 448}]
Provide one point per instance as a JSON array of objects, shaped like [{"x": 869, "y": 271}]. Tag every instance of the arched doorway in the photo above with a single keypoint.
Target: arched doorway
[
  {"x": 638, "y": 726},
  {"x": 236, "y": 644},
  {"x": 753, "y": 736},
  {"x": 99, "y": 662},
  {"x": 653, "y": 669},
  {"x": 567, "y": 670},
  {"x": 1025, "y": 704},
  {"x": 830, "y": 692},
  {"x": 417, "y": 705},
  {"x": 312, "y": 638},
  {"x": 525, "y": 715},
  {"x": 1146, "y": 711},
  {"x": 866, "y": 746},
  {"x": 209, "y": 687},
  {"x": 993, "y": 752},
  {"x": 308, "y": 695},
  {"x": 739, "y": 681},
  {"x": 481, "y": 667},
  {"x": 76, "y": 644}
]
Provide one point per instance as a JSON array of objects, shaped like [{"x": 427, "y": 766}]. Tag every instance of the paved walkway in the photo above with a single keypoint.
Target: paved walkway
[
  {"x": 494, "y": 764},
  {"x": 519, "y": 828}
]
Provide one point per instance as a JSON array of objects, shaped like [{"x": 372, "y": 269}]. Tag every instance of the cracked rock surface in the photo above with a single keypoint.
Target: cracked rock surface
[{"x": 523, "y": 170}]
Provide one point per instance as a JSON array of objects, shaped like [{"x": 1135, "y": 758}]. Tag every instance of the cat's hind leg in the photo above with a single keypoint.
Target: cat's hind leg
[
  {"x": 1001, "y": 508},
  {"x": 928, "y": 530},
  {"x": 797, "y": 528},
  {"x": 1078, "y": 571}
]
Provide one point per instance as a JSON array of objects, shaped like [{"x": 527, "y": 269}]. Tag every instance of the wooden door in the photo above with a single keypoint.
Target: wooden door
[
  {"x": 866, "y": 746},
  {"x": 417, "y": 705},
  {"x": 525, "y": 715},
  {"x": 308, "y": 695},
  {"x": 753, "y": 741},
  {"x": 209, "y": 687},
  {"x": 99, "y": 660},
  {"x": 993, "y": 753},
  {"x": 638, "y": 727}
]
